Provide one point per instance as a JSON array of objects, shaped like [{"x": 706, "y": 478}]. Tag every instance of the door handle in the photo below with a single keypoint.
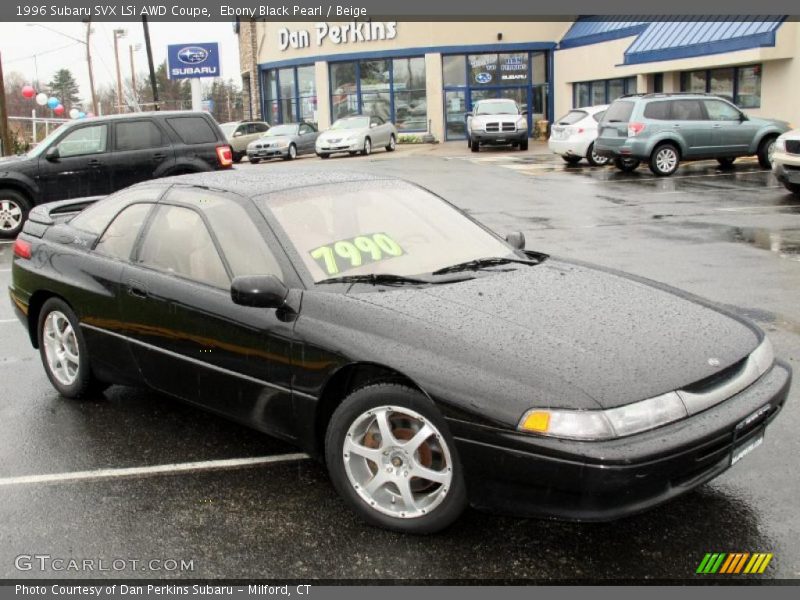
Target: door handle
[
  {"x": 159, "y": 156},
  {"x": 137, "y": 289},
  {"x": 94, "y": 163}
]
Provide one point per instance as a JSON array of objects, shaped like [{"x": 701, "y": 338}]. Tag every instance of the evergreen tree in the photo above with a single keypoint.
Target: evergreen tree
[{"x": 64, "y": 87}]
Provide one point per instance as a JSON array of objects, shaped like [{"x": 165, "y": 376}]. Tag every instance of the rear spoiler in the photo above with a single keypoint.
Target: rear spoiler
[{"x": 53, "y": 212}]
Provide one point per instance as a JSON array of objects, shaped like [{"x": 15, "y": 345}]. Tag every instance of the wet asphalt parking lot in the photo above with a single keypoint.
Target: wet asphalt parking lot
[{"x": 732, "y": 236}]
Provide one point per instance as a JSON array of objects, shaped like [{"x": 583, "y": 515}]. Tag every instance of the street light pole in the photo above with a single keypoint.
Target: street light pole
[
  {"x": 5, "y": 133},
  {"x": 118, "y": 33}
]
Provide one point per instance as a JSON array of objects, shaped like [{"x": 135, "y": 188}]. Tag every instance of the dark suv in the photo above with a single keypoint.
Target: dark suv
[
  {"x": 664, "y": 129},
  {"x": 98, "y": 156}
]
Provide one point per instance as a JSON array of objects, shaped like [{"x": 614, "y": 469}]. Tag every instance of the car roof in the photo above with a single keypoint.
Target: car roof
[
  {"x": 139, "y": 115},
  {"x": 265, "y": 181}
]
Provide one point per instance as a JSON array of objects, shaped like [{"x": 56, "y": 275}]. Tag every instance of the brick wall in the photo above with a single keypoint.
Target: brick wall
[{"x": 248, "y": 55}]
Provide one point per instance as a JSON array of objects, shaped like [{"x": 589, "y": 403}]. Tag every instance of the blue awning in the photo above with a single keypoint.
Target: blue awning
[{"x": 595, "y": 29}]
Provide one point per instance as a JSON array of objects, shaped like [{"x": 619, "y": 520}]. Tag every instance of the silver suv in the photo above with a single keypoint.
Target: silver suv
[{"x": 664, "y": 129}]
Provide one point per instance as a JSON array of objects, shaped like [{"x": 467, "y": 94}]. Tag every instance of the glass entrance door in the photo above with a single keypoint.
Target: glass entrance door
[{"x": 455, "y": 114}]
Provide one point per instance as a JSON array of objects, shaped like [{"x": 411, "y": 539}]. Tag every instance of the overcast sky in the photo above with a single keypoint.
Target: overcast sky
[{"x": 18, "y": 44}]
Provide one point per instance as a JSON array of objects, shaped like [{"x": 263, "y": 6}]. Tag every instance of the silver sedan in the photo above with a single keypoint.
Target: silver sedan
[
  {"x": 356, "y": 134},
  {"x": 285, "y": 141}
]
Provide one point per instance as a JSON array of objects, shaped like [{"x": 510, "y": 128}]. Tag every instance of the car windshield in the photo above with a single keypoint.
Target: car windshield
[
  {"x": 572, "y": 117},
  {"x": 497, "y": 107},
  {"x": 351, "y": 123},
  {"x": 228, "y": 128},
  {"x": 281, "y": 130},
  {"x": 45, "y": 143},
  {"x": 377, "y": 227}
]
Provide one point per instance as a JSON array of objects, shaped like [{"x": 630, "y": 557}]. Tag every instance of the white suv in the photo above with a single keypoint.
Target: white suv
[
  {"x": 573, "y": 135},
  {"x": 786, "y": 160}
]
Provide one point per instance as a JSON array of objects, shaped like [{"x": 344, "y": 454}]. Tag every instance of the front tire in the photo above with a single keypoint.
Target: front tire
[
  {"x": 627, "y": 165},
  {"x": 726, "y": 163},
  {"x": 392, "y": 144},
  {"x": 255, "y": 161},
  {"x": 291, "y": 153},
  {"x": 14, "y": 209},
  {"x": 571, "y": 160},
  {"x": 367, "y": 147},
  {"x": 323, "y": 155},
  {"x": 595, "y": 159},
  {"x": 392, "y": 458},
  {"x": 665, "y": 160},
  {"x": 63, "y": 351},
  {"x": 474, "y": 146},
  {"x": 792, "y": 187},
  {"x": 523, "y": 145},
  {"x": 765, "y": 151}
]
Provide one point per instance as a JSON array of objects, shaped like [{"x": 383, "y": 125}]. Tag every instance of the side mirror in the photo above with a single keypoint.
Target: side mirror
[
  {"x": 52, "y": 153},
  {"x": 261, "y": 291},
  {"x": 516, "y": 240},
  {"x": 237, "y": 134},
  {"x": 372, "y": 125},
  {"x": 743, "y": 117}
]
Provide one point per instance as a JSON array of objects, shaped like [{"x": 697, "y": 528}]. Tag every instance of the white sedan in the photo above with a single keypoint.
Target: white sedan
[
  {"x": 573, "y": 135},
  {"x": 357, "y": 134}
]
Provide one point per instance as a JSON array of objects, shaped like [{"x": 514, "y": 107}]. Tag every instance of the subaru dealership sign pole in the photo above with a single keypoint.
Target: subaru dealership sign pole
[{"x": 193, "y": 62}]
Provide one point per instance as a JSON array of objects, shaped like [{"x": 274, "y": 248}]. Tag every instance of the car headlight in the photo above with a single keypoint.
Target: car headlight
[
  {"x": 780, "y": 145},
  {"x": 522, "y": 123},
  {"x": 593, "y": 425}
]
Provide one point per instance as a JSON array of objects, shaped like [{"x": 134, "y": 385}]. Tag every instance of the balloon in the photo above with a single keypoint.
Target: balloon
[
  {"x": 73, "y": 113},
  {"x": 52, "y": 102},
  {"x": 41, "y": 99},
  {"x": 28, "y": 92},
  {"x": 59, "y": 110},
  {"x": 90, "y": 114},
  {"x": 81, "y": 115}
]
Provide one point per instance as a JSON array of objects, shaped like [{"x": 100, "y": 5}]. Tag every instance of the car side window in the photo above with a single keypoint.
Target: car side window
[
  {"x": 193, "y": 129},
  {"x": 242, "y": 244},
  {"x": 687, "y": 110},
  {"x": 261, "y": 127},
  {"x": 95, "y": 218},
  {"x": 304, "y": 129},
  {"x": 178, "y": 242},
  {"x": 721, "y": 111},
  {"x": 120, "y": 236},
  {"x": 251, "y": 129},
  {"x": 86, "y": 140},
  {"x": 598, "y": 116},
  {"x": 138, "y": 135},
  {"x": 658, "y": 111},
  {"x": 375, "y": 121}
]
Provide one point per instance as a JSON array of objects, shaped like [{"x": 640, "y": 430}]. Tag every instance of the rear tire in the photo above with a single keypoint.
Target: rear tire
[
  {"x": 255, "y": 161},
  {"x": 765, "y": 150},
  {"x": 383, "y": 480},
  {"x": 324, "y": 155},
  {"x": 469, "y": 142},
  {"x": 237, "y": 157},
  {"x": 14, "y": 209},
  {"x": 523, "y": 145},
  {"x": 63, "y": 351},
  {"x": 793, "y": 187},
  {"x": 392, "y": 144},
  {"x": 664, "y": 160},
  {"x": 595, "y": 159},
  {"x": 726, "y": 163},
  {"x": 627, "y": 165},
  {"x": 474, "y": 146}
]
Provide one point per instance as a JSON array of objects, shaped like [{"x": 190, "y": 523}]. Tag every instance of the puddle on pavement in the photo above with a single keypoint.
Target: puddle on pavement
[{"x": 783, "y": 242}]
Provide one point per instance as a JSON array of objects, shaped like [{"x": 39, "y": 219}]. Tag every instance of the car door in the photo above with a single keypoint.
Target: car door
[
  {"x": 733, "y": 132},
  {"x": 189, "y": 339},
  {"x": 378, "y": 131},
  {"x": 688, "y": 118},
  {"x": 81, "y": 165},
  {"x": 307, "y": 137},
  {"x": 142, "y": 151}
]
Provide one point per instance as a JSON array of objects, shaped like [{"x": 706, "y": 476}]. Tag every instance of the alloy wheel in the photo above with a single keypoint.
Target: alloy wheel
[
  {"x": 398, "y": 462},
  {"x": 771, "y": 151},
  {"x": 599, "y": 160},
  {"x": 666, "y": 160},
  {"x": 292, "y": 152},
  {"x": 61, "y": 348},
  {"x": 10, "y": 215}
]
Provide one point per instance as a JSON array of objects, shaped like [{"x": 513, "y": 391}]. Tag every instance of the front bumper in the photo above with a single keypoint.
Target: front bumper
[
  {"x": 332, "y": 147},
  {"x": 786, "y": 167},
  {"x": 600, "y": 481},
  {"x": 262, "y": 153},
  {"x": 498, "y": 138}
]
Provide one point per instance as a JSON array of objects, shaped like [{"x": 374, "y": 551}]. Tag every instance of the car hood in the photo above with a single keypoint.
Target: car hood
[
  {"x": 782, "y": 125},
  {"x": 565, "y": 334},
  {"x": 8, "y": 161},
  {"x": 340, "y": 134}
]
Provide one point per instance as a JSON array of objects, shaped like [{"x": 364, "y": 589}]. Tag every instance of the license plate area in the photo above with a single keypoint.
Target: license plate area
[{"x": 744, "y": 448}]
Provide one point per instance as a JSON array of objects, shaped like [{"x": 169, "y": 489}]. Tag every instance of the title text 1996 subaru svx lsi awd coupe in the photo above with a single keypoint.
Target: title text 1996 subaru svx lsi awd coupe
[{"x": 430, "y": 363}]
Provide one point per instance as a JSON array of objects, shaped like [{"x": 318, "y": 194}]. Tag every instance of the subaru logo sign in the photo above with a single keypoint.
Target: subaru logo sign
[
  {"x": 193, "y": 60},
  {"x": 191, "y": 55},
  {"x": 483, "y": 77}
]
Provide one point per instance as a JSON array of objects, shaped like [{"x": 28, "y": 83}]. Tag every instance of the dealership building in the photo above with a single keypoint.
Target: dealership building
[{"x": 424, "y": 76}]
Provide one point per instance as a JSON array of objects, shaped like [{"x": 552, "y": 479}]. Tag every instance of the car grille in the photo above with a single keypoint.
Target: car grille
[
  {"x": 497, "y": 127},
  {"x": 334, "y": 141},
  {"x": 793, "y": 146}
]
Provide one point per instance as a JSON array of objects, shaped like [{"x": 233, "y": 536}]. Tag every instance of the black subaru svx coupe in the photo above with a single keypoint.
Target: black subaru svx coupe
[{"x": 429, "y": 362}]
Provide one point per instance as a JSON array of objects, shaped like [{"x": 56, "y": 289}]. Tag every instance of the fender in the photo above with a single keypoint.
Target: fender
[
  {"x": 186, "y": 165},
  {"x": 765, "y": 131},
  {"x": 22, "y": 183},
  {"x": 667, "y": 136}
]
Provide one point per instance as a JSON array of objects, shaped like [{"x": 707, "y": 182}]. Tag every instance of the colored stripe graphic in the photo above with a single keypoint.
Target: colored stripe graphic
[{"x": 734, "y": 563}]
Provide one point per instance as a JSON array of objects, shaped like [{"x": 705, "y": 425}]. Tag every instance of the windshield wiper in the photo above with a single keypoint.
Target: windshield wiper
[
  {"x": 480, "y": 263},
  {"x": 375, "y": 279}
]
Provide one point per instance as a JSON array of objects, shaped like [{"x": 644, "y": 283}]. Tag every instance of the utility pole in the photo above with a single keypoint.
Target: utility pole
[
  {"x": 5, "y": 132},
  {"x": 133, "y": 69},
  {"x": 153, "y": 84},
  {"x": 118, "y": 33},
  {"x": 89, "y": 63}
]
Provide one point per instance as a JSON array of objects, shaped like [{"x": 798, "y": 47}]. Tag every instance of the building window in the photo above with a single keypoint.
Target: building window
[
  {"x": 454, "y": 71},
  {"x": 740, "y": 85},
  {"x": 290, "y": 95},
  {"x": 601, "y": 91},
  {"x": 393, "y": 89}
]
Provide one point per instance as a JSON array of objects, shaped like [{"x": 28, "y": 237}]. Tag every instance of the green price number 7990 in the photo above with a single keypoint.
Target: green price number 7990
[{"x": 354, "y": 252}]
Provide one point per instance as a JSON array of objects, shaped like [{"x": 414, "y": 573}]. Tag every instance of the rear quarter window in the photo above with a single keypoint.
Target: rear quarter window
[
  {"x": 619, "y": 112},
  {"x": 193, "y": 130},
  {"x": 572, "y": 117},
  {"x": 658, "y": 111}
]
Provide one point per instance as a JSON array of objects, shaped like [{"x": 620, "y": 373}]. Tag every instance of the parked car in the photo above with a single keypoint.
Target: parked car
[
  {"x": 497, "y": 122},
  {"x": 573, "y": 135},
  {"x": 284, "y": 141},
  {"x": 358, "y": 133},
  {"x": 373, "y": 324},
  {"x": 97, "y": 156},
  {"x": 665, "y": 129},
  {"x": 241, "y": 133},
  {"x": 786, "y": 160}
]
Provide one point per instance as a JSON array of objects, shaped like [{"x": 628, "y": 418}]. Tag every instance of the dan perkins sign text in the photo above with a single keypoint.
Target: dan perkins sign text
[{"x": 348, "y": 33}]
